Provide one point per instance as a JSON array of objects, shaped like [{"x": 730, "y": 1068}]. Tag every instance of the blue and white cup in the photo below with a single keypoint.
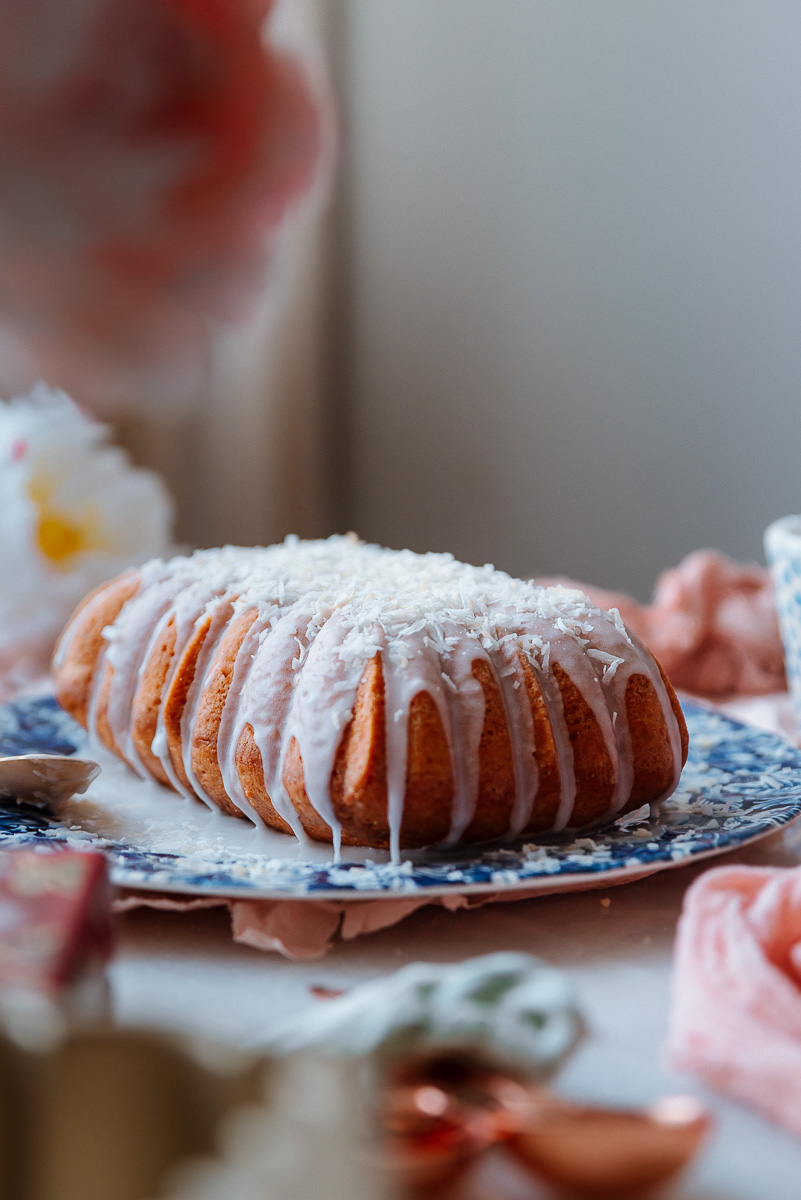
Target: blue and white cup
[{"x": 783, "y": 552}]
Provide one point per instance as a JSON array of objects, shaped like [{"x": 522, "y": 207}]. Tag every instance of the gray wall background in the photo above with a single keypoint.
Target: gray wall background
[{"x": 568, "y": 308}]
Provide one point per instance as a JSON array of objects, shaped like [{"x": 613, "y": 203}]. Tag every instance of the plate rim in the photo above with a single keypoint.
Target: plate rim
[
  {"x": 546, "y": 885},
  {"x": 542, "y": 884}
]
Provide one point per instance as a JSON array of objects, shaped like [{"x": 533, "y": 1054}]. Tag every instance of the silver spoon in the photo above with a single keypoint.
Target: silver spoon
[{"x": 43, "y": 777}]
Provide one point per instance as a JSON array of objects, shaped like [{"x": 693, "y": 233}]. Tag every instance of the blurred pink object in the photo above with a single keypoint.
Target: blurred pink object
[
  {"x": 736, "y": 1005},
  {"x": 712, "y": 625},
  {"x": 149, "y": 150},
  {"x": 55, "y": 919}
]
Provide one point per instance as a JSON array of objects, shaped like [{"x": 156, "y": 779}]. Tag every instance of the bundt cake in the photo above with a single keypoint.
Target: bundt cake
[{"x": 353, "y": 694}]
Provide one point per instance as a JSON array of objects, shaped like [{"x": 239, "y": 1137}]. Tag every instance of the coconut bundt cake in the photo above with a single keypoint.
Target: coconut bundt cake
[{"x": 349, "y": 693}]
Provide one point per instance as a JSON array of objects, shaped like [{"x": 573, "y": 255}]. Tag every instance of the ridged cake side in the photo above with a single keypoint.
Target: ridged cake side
[{"x": 341, "y": 691}]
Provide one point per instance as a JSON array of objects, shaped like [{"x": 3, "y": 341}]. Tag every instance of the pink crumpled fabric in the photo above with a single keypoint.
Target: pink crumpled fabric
[
  {"x": 712, "y": 625},
  {"x": 300, "y": 929},
  {"x": 735, "y": 1015}
]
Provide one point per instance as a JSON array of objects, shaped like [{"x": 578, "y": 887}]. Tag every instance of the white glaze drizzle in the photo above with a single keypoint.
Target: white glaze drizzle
[
  {"x": 187, "y": 611},
  {"x": 467, "y": 703},
  {"x": 126, "y": 644},
  {"x": 324, "y": 611},
  {"x": 226, "y": 744},
  {"x": 520, "y": 722},
  {"x": 410, "y": 669},
  {"x": 260, "y": 696},
  {"x": 220, "y": 614}
]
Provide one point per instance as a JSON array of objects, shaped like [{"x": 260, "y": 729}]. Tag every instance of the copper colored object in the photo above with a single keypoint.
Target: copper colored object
[
  {"x": 430, "y": 1139},
  {"x": 610, "y": 1153},
  {"x": 439, "y": 1114}
]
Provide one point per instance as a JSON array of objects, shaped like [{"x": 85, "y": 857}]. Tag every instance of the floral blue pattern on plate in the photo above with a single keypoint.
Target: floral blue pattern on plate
[{"x": 739, "y": 785}]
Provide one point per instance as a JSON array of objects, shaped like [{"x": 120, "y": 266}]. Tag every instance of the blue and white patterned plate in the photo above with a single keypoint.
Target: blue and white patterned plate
[{"x": 739, "y": 785}]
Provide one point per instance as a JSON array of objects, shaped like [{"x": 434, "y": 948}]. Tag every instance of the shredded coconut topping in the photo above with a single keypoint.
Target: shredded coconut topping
[{"x": 395, "y": 591}]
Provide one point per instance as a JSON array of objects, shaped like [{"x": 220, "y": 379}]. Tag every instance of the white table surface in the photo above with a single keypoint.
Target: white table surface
[{"x": 183, "y": 972}]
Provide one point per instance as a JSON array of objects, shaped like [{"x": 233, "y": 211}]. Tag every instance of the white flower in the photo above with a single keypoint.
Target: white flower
[{"x": 73, "y": 512}]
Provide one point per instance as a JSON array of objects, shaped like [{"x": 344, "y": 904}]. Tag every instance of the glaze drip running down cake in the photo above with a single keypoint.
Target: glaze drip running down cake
[{"x": 344, "y": 692}]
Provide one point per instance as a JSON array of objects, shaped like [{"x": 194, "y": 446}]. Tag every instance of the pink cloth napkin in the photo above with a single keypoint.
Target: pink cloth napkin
[{"x": 735, "y": 1016}]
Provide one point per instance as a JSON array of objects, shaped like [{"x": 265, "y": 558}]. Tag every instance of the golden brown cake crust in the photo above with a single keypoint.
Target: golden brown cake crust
[
  {"x": 80, "y": 646},
  {"x": 147, "y": 702},
  {"x": 205, "y": 764},
  {"x": 185, "y": 681}
]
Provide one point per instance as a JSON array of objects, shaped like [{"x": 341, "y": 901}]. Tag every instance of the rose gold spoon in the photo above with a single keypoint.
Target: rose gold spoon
[
  {"x": 598, "y": 1153},
  {"x": 440, "y": 1114}
]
